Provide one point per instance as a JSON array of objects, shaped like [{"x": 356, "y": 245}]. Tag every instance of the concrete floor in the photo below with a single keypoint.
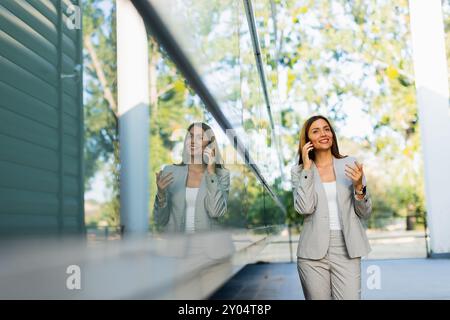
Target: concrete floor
[
  {"x": 398, "y": 279},
  {"x": 385, "y": 245}
]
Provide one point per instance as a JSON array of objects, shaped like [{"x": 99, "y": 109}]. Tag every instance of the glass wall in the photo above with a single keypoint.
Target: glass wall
[
  {"x": 350, "y": 61},
  {"x": 215, "y": 37},
  {"x": 345, "y": 60}
]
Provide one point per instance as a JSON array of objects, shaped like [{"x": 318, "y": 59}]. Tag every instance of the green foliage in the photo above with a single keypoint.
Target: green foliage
[
  {"x": 101, "y": 134},
  {"x": 331, "y": 51}
]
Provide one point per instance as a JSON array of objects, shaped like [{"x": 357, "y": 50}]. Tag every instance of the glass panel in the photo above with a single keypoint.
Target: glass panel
[
  {"x": 219, "y": 44},
  {"x": 351, "y": 61}
]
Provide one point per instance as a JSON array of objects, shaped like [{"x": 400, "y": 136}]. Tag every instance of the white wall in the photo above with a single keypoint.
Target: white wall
[{"x": 430, "y": 67}]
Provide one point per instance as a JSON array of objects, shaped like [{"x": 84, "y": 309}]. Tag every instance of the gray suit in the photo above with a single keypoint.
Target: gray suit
[
  {"x": 329, "y": 261},
  {"x": 310, "y": 199},
  {"x": 211, "y": 202}
]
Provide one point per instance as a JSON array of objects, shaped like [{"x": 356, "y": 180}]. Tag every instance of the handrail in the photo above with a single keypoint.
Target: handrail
[{"x": 262, "y": 76}]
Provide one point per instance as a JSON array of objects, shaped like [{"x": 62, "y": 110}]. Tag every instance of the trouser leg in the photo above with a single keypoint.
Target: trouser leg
[
  {"x": 315, "y": 278},
  {"x": 345, "y": 272}
]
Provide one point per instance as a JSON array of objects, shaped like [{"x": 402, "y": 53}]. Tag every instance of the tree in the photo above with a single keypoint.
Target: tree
[{"x": 100, "y": 102}]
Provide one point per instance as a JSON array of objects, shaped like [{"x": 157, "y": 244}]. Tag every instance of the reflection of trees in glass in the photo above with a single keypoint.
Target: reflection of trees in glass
[
  {"x": 248, "y": 205},
  {"x": 214, "y": 27},
  {"x": 323, "y": 56},
  {"x": 100, "y": 96},
  {"x": 273, "y": 214},
  {"x": 173, "y": 107},
  {"x": 237, "y": 205}
]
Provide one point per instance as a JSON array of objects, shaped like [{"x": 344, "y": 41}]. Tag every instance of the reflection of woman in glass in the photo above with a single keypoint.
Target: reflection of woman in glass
[
  {"x": 193, "y": 194},
  {"x": 330, "y": 191}
]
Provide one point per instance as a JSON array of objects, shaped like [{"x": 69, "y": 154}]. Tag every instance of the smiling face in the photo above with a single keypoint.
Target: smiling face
[{"x": 320, "y": 135}]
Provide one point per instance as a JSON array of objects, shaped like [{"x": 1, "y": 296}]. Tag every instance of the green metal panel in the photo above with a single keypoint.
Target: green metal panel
[
  {"x": 26, "y": 35},
  {"x": 23, "y": 80},
  {"x": 41, "y": 119},
  {"x": 20, "y": 55},
  {"x": 28, "y": 154},
  {"x": 21, "y": 127},
  {"x": 34, "y": 18},
  {"x": 69, "y": 106},
  {"x": 27, "y": 223},
  {"x": 22, "y": 177},
  {"x": 25, "y": 105},
  {"x": 47, "y": 8},
  {"x": 25, "y": 203}
]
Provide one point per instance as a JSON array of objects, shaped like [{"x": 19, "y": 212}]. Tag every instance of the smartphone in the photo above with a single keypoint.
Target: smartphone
[{"x": 310, "y": 152}]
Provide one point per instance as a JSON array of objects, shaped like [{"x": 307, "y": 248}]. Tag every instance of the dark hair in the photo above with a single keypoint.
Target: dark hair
[
  {"x": 205, "y": 127},
  {"x": 304, "y": 139},
  {"x": 210, "y": 133}
]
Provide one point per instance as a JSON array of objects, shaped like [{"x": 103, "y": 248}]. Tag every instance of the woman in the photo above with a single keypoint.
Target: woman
[
  {"x": 193, "y": 195},
  {"x": 330, "y": 191}
]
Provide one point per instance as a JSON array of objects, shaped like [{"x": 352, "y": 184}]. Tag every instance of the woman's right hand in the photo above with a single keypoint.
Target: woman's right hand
[
  {"x": 307, "y": 162},
  {"x": 163, "y": 182}
]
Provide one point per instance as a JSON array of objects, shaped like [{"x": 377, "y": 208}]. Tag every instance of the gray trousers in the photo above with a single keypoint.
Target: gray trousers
[{"x": 335, "y": 276}]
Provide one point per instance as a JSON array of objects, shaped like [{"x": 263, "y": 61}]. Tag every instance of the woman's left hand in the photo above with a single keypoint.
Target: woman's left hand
[
  {"x": 211, "y": 154},
  {"x": 355, "y": 173}
]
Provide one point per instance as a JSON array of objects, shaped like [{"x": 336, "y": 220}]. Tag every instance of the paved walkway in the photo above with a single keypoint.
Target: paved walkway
[
  {"x": 384, "y": 244},
  {"x": 399, "y": 279}
]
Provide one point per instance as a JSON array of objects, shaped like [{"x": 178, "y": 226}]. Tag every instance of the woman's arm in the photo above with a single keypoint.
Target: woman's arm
[
  {"x": 161, "y": 210},
  {"x": 363, "y": 206},
  {"x": 305, "y": 196},
  {"x": 217, "y": 188},
  {"x": 355, "y": 172}
]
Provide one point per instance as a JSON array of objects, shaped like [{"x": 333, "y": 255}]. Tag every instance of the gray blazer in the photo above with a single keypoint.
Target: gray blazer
[
  {"x": 310, "y": 199},
  {"x": 211, "y": 200}
]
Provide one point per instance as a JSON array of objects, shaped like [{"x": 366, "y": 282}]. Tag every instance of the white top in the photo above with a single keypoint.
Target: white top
[
  {"x": 191, "y": 196},
  {"x": 330, "y": 190}
]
